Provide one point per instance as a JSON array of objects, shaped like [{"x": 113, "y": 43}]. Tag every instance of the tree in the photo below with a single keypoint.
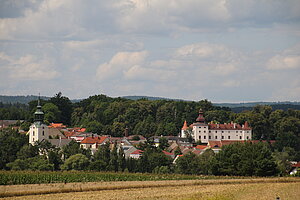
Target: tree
[
  {"x": 103, "y": 155},
  {"x": 188, "y": 164},
  {"x": 163, "y": 143},
  {"x": 52, "y": 113},
  {"x": 28, "y": 151},
  {"x": 121, "y": 159},
  {"x": 65, "y": 107},
  {"x": 76, "y": 162},
  {"x": 113, "y": 162},
  {"x": 10, "y": 143},
  {"x": 74, "y": 148}
]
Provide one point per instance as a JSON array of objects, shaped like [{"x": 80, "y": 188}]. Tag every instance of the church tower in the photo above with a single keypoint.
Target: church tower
[{"x": 38, "y": 130}]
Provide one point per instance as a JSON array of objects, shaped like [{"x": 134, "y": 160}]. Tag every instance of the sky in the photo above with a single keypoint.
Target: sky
[{"x": 220, "y": 50}]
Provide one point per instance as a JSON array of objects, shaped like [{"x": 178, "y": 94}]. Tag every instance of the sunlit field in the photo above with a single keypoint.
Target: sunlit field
[{"x": 248, "y": 188}]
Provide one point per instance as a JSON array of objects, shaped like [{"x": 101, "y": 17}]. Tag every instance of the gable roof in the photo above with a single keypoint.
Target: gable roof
[
  {"x": 93, "y": 140},
  {"x": 202, "y": 147},
  {"x": 139, "y": 152}
]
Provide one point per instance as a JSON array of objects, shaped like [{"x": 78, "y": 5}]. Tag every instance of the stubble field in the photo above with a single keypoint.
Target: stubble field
[{"x": 250, "y": 188}]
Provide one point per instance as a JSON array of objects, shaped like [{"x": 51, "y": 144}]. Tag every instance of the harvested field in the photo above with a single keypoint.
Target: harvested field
[{"x": 256, "y": 188}]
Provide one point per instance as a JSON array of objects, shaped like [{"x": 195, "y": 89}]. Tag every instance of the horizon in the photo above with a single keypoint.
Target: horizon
[
  {"x": 224, "y": 51},
  {"x": 244, "y": 102}
]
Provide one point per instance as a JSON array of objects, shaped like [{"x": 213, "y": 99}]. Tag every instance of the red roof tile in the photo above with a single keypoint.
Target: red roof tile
[
  {"x": 93, "y": 140},
  {"x": 296, "y": 165},
  {"x": 137, "y": 152},
  {"x": 201, "y": 147},
  {"x": 168, "y": 153}
]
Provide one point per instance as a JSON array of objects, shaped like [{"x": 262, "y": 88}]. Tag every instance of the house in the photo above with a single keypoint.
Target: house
[
  {"x": 93, "y": 142},
  {"x": 171, "y": 155},
  {"x": 204, "y": 132},
  {"x": 136, "y": 154},
  {"x": 295, "y": 168}
]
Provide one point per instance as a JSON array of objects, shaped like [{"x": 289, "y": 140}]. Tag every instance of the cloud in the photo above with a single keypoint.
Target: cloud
[
  {"x": 286, "y": 60},
  {"x": 119, "y": 64},
  {"x": 29, "y": 67}
]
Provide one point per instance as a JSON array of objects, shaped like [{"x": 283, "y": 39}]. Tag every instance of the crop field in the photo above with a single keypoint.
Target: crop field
[
  {"x": 213, "y": 189},
  {"x": 33, "y": 177}
]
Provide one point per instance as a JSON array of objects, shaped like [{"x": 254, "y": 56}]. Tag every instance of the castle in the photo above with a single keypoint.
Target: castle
[{"x": 204, "y": 132}]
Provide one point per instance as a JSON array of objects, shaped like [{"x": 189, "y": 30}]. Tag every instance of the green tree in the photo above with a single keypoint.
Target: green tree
[
  {"x": 76, "y": 162},
  {"x": 52, "y": 113},
  {"x": 65, "y": 107},
  {"x": 121, "y": 159},
  {"x": 163, "y": 143},
  {"x": 103, "y": 154},
  {"x": 113, "y": 162}
]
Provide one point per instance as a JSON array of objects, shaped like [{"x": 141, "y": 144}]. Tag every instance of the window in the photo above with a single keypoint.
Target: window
[
  {"x": 240, "y": 131},
  {"x": 222, "y": 136},
  {"x": 43, "y": 132},
  {"x": 204, "y": 127},
  {"x": 228, "y": 131},
  {"x": 209, "y": 137},
  {"x": 33, "y": 133},
  {"x": 43, "y": 127},
  {"x": 228, "y": 136},
  {"x": 247, "y": 137},
  {"x": 222, "y": 131},
  {"x": 216, "y": 137},
  {"x": 236, "y": 131},
  {"x": 247, "y": 131},
  {"x": 240, "y": 137},
  {"x": 199, "y": 131},
  {"x": 32, "y": 139},
  {"x": 204, "y": 137},
  {"x": 209, "y": 131},
  {"x": 199, "y": 137},
  {"x": 204, "y": 131}
]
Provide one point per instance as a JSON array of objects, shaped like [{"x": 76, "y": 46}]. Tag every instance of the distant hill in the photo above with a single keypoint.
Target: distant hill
[
  {"x": 150, "y": 98},
  {"x": 20, "y": 99},
  {"x": 25, "y": 99},
  {"x": 235, "y": 107}
]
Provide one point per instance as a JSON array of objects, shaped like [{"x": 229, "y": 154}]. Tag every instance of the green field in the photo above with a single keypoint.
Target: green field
[{"x": 39, "y": 177}]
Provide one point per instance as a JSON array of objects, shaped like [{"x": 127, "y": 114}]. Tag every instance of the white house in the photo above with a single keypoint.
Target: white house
[{"x": 217, "y": 132}]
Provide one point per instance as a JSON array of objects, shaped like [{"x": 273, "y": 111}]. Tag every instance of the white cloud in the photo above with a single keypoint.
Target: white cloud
[
  {"x": 119, "y": 64},
  {"x": 287, "y": 59},
  {"x": 29, "y": 67}
]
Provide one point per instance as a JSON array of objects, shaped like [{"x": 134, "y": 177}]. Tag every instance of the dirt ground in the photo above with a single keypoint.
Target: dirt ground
[{"x": 185, "y": 189}]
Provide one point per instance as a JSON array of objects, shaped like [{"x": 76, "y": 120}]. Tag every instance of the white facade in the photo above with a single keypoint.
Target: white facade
[
  {"x": 205, "y": 133},
  {"x": 38, "y": 132}
]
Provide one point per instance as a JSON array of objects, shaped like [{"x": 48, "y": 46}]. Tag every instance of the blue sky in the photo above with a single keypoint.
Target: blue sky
[{"x": 221, "y": 50}]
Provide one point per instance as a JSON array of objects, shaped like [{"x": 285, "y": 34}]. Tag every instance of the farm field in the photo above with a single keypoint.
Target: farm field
[{"x": 250, "y": 188}]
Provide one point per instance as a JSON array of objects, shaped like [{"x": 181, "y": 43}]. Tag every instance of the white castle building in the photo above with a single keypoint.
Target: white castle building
[
  {"x": 200, "y": 130},
  {"x": 38, "y": 131}
]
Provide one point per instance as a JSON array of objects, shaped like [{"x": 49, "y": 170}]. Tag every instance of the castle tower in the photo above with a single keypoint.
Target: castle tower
[
  {"x": 183, "y": 129},
  {"x": 38, "y": 130}
]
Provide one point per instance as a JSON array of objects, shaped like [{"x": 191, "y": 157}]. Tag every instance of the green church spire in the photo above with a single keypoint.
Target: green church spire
[{"x": 39, "y": 115}]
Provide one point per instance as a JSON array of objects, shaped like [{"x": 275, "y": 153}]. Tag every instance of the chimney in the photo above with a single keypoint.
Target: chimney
[{"x": 126, "y": 132}]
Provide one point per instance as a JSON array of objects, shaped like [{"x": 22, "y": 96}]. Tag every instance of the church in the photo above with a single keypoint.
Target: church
[
  {"x": 204, "y": 132},
  {"x": 39, "y": 131}
]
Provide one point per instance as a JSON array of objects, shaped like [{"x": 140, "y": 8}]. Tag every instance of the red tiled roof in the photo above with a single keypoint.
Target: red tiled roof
[
  {"x": 57, "y": 125},
  {"x": 201, "y": 147},
  {"x": 93, "y": 140},
  {"x": 296, "y": 165},
  {"x": 137, "y": 152},
  {"x": 168, "y": 153}
]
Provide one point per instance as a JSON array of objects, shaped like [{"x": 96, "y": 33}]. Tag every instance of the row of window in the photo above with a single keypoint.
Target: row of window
[
  {"x": 223, "y": 131},
  {"x": 216, "y": 137}
]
